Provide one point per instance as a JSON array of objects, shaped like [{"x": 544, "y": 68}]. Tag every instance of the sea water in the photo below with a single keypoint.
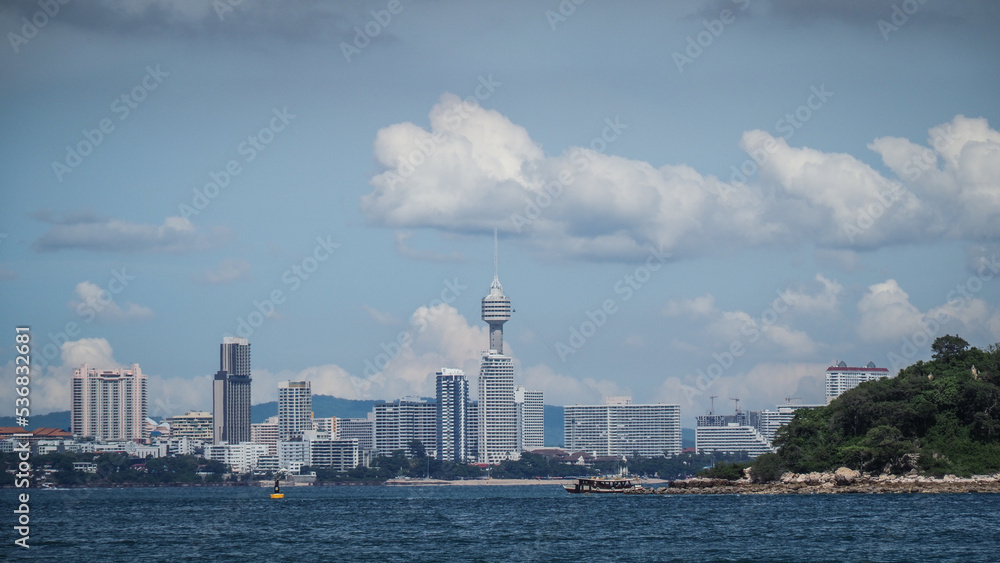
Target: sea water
[{"x": 498, "y": 523}]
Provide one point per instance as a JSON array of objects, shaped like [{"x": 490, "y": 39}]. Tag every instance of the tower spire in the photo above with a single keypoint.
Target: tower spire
[{"x": 496, "y": 305}]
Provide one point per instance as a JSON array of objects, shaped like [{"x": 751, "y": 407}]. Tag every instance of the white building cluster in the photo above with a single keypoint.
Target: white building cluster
[{"x": 619, "y": 428}]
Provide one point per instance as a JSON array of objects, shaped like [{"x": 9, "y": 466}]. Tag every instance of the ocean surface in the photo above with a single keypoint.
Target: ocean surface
[{"x": 484, "y": 523}]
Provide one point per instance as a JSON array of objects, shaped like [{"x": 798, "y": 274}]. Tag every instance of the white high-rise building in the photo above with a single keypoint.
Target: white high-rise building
[
  {"x": 770, "y": 421},
  {"x": 360, "y": 429},
  {"x": 452, "y": 415},
  {"x": 109, "y": 405},
  {"x": 841, "y": 378},
  {"x": 619, "y": 428},
  {"x": 294, "y": 409},
  {"x": 399, "y": 422},
  {"x": 497, "y": 412},
  {"x": 266, "y": 433},
  {"x": 497, "y": 416},
  {"x": 339, "y": 455},
  {"x": 530, "y": 418},
  {"x": 195, "y": 425}
]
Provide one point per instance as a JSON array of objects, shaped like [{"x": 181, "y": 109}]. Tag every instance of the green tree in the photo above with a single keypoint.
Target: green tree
[{"x": 947, "y": 347}]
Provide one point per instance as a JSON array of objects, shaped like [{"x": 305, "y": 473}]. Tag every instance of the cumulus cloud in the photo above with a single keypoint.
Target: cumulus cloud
[
  {"x": 294, "y": 20},
  {"x": 50, "y": 385},
  {"x": 94, "y": 303},
  {"x": 474, "y": 169},
  {"x": 763, "y": 386},
  {"x": 888, "y": 316},
  {"x": 771, "y": 326},
  {"x": 176, "y": 235},
  {"x": 228, "y": 271}
]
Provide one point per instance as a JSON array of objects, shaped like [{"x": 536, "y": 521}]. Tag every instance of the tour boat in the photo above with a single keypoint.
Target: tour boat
[{"x": 604, "y": 485}]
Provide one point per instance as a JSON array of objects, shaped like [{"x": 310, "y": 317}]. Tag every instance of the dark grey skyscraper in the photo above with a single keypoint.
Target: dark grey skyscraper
[
  {"x": 231, "y": 392},
  {"x": 452, "y": 415}
]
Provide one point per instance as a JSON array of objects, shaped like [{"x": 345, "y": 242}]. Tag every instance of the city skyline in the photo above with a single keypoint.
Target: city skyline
[{"x": 691, "y": 199}]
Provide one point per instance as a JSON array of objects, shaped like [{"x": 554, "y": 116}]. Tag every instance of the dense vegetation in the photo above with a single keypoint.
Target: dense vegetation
[
  {"x": 936, "y": 417},
  {"x": 114, "y": 469}
]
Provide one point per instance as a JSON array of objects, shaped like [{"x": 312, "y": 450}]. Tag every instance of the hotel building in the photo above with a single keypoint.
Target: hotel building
[
  {"x": 619, "y": 428},
  {"x": 109, "y": 405}
]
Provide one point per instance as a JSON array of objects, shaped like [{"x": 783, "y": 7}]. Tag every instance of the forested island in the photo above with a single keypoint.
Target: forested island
[{"x": 935, "y": 419}]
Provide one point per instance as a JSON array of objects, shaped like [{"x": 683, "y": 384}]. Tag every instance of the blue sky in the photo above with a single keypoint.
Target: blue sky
[{"x": 692, "y": 198}]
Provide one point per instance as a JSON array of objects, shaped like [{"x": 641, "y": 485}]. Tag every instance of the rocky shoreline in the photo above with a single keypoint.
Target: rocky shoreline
[{"x": 843, "y": 480}]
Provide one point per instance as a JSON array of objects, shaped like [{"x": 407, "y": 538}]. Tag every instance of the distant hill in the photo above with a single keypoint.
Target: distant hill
[
  {"x": 59, "y": 419},
  {"x": 324, "y": 406}
]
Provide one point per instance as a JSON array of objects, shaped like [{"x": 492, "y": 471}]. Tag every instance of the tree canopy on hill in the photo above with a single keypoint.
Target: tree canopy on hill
[{"x": 939, "y": 417}]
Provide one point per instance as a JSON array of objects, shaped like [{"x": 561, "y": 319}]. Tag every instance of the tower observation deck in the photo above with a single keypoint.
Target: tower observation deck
[{"x": 496, "y": 306}]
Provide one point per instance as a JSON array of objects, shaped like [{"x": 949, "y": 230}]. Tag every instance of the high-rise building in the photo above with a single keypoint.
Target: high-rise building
[
  {"x": 326, "y": 425},
  {"x": 399, "y": 422},
  {"x": 737, "y": 433},
  {"x": 339, "y": 455},
  {"x": 231, "y": 392},
  {"x": 266, "y": 433},
  {"x": 360, "y": 429},
  {"x": 109, "y": 404},
  {"x": 530, "y": 419},
  {"x": 294, "y": 409},
  {"x": 194, "y": 425},
  {"x": 472, "y": 431},
  {"x": 770, "y": 421},
  {"x": 497, "y": 413},
  {"x": 619, "y": 428},
  {"x": 452, "y": 402},
  {"x": 841, "y": 378}
]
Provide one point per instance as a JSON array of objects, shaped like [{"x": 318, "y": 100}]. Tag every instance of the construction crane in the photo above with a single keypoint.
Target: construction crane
[
  {"x": 712, "y": 398},
  {"x": 737, "y": 401},
  {"x": 788, "y": 400}
]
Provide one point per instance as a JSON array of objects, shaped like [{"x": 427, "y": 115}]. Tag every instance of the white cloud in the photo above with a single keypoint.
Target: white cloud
[
  {"x": 888, "y": 316},
  {"x": 228, "y": 271},
  {"x": 771, "y": 326},
  {"x": 176, "y": 235},
  {"x": 474, "y": 169},
  {"x": 763, "y": 386},
  {"x": 94, "y": 303}
]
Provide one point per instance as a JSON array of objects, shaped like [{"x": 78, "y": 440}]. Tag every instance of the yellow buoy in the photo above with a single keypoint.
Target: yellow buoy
[{"x": 277, "y": 492}]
